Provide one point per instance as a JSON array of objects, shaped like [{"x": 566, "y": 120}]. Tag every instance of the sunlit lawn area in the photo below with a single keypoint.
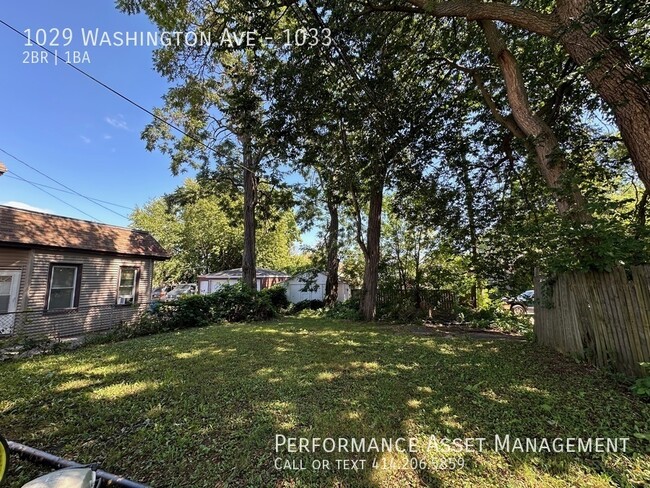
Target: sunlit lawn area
[{"x": 202, "y": 407}]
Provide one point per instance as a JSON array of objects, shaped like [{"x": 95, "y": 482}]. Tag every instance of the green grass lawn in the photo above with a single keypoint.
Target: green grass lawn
[{"x": 202, "y": 407}]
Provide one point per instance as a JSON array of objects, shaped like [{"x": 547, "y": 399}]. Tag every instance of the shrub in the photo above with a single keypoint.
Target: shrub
[
  {"x": 399, "y": 308},
  {"x": 307, "y": 305},
  {"x": 147, "y": 324},
  {"x": 348, "y": 310},
  {"x": 239, "y": 303},
  {"x": 277, "y": 295},
  {"x": 187, "y": 311},
  {"x": 236, "y": 303},
  {"x": 642, "y": 385},
  {"x": 494, "y": 317}
]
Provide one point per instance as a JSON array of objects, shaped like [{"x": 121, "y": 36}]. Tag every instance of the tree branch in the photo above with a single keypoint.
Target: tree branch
[{"x": 531, "y": 20}]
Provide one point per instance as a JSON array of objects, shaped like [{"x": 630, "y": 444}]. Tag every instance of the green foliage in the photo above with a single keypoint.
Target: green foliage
[
  {"x": 306, "y": 305},
  {"x": 147, "y": 324},
  {"x": 219, "y": 393},
  {"x": 400, "y": 308},
  {"x": 595, "y": 246},
  {"x": 277, "y": 295},
  {"x": 348, "y": 310},
  {"x": 492, "y": 316},
  {"x": 204, "y": 234},
  {"x": 188, "y": 311},
  {"x": 233, "y": 303},
  {"x": 238, "y": 303},
  {"x": 642, "y": 385}
]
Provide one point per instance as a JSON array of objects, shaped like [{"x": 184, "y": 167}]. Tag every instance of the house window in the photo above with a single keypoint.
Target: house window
[
  {"x": 64, "y": 286},
  {"x": 127, "y": 286}
]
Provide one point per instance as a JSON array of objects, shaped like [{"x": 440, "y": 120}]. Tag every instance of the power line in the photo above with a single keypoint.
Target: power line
[
  {"x": 57, "y": 198},
  {"x": 61, "y": 184},
  {"x": 14, "y": 175},
  {"x": 115, "y": 92}
]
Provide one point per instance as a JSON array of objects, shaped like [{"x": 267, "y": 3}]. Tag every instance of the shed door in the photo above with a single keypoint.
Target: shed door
[
  {"x": 204, "y": 287},
  {"x": 9, "y": 287}
]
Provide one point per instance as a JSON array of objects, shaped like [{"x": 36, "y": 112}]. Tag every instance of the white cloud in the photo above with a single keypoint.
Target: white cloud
[
  {"x": 118, "y": 122},
  {"x": 25, "y": 206},
  {"x": 107, "y": 136},
  {"x": 85, "y": 139}
]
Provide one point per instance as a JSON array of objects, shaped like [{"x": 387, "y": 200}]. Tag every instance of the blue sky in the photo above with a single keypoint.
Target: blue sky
[{"x": 67, "y": 126}]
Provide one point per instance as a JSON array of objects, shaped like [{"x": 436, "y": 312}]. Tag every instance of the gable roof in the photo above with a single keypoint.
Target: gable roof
[
  {"x": 236, "y": 273},
  {"x": 26, "y": 228}
]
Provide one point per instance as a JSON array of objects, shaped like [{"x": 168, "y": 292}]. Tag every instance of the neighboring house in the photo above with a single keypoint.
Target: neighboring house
[
  {"x": 209, "y": 283},
  {"x": 63, "y": 277},
  {"x": 311, "y": 286}
]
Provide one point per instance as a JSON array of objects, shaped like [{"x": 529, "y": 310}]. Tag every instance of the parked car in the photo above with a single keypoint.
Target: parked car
[
  {"x": 159, "y": 292},
  {"x": 522, "y": 304},
  {"x": 180, "y": 290}
]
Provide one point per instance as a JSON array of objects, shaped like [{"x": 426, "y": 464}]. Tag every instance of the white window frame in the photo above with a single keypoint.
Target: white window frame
[
  {"x": 127, "y": 299},
  {"x": 74, "y": 286},
  {"x": 8, "y": 320}
]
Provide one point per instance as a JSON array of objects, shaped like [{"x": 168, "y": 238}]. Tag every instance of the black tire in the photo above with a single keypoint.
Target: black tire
[
  {"x": 4, "y": 458},
  {"x": 518, "y": 309}
]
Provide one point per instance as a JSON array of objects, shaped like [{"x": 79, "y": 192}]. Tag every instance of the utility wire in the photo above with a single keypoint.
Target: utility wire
[
  {"x": 124, "y": 97},
  {"x": 57, "y": 198},
  {"x": 14, "y": 175},
  {"x": 61, "y": 184}
]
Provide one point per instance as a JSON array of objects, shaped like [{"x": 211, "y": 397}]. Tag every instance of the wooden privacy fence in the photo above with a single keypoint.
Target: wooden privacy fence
[
  {"x": 602, "y": 317},
  {"x": 440, "y": 302}
]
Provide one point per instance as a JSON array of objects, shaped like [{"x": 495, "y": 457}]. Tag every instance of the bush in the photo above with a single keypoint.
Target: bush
[
  {"x": 149, "y": 323},
  {"x": 348, "y": 310},
  {"x": 306, "y": 305},
  {"x": 188, "y": 311},
  {"x": 642, "y": 385},
  {"x": 400, "y": 308},
  {"x": 277, "y": 295},
  {"x": 239, "y": 303},
  {"x": 494, "y": 317},
  {"x": 236, "y": 303}
]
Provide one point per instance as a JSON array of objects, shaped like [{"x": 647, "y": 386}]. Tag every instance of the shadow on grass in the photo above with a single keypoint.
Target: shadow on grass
[{"x": 203, "y": 407}]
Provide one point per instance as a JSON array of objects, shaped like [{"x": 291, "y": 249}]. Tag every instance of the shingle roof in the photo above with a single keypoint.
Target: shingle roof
[
  {"x": 26, "y": 228},
  {"x": 237, "y": 274}
]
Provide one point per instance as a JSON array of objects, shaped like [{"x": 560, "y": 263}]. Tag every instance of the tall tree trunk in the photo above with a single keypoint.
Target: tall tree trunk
[
  {"x": 610, "y": 71},
  {"x": 418, "y": 274},
  {"x": 371, "y": 271},
  {"x": 641, "y": 212},
  {"x": 549, "y": 156},
  {"x": 250, "y": 202},
  {"x": 471, "y": 222},
  {"x": 332, "y": 282}
]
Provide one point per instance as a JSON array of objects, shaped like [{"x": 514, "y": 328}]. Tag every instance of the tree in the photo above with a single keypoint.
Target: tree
[
  {"x": 597, "y": 35},
  {"x": 203, "y": 233},
  {"x": 217, "y": 104}
]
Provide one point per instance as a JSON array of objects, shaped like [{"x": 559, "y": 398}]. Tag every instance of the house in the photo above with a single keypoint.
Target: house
[
  {"x": 63, "y": 277},
  {"x": 311, "y": 286},
  {"x": 209, "y": 283}
]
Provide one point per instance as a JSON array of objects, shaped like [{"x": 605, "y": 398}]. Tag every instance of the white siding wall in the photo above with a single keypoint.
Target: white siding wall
[{"x": 296, "y": 284}]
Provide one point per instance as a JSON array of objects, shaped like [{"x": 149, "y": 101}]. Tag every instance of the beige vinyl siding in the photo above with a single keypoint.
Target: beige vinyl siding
[{"x": 97, "y": 294}]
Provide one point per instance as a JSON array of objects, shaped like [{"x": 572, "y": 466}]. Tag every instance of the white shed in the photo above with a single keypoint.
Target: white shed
[
  {"x": 209, "y": 283},
  {"x": 310, "y": 286}
]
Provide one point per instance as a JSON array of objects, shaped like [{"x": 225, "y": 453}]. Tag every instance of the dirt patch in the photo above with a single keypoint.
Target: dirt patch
[{"x": 452, "y": 330}]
